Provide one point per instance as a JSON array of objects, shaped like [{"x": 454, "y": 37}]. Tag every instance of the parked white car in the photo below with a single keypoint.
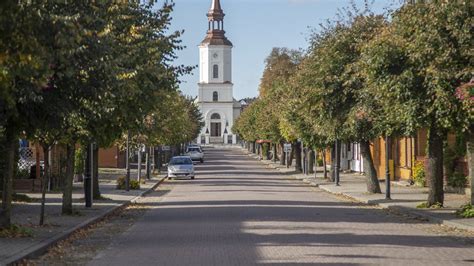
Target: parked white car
[
  {"x": 195, "y": 153},
  {"x": 180, "y": 166}
]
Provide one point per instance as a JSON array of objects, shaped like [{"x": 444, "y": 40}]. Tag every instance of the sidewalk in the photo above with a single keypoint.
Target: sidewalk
[
  {"x": 404, "y": 198},
  {"x": 58, "y": 227}
]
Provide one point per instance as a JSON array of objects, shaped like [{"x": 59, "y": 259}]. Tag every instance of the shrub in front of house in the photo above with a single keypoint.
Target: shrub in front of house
[{"x": 419, "y": 176}]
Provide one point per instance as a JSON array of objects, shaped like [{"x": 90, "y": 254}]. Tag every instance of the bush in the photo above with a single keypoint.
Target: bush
[
  {"x": 419, "y": 176},
  {"x": 134, "y": 184},
  {"x": 466, "y": 211},
  {"x": 457, "y": 180}
]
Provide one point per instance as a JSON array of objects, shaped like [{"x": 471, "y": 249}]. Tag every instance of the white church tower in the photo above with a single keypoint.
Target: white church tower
[{"x": 215, "y": 97}]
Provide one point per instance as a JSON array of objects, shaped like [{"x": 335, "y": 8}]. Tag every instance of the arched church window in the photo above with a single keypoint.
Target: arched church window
[
  {"x": 215, "y": 96},
  {"x": 215, "y": 116},
  {"x": 215, "y": 71}
]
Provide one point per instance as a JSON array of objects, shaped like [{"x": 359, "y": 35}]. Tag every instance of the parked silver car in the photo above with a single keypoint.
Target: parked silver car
[
  {"x": 195, "y": 153},
  {"x": 180, "y": 166}
]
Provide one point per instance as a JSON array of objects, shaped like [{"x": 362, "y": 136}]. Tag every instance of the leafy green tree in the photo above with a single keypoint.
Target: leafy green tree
[
  {"x": 413, "y": 70},
  {"x": 104, "y": 66},
  {"x": 23, "y": 72},
  {"x": 329, "y": 99},
  {"x": 78, "y": 54},
  {"x": 361, "y": 123},
  {"x": 246, "y": 125}
]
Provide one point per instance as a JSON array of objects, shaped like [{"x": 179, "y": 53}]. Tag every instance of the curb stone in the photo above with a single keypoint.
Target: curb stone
[
  {"x": 401, "y": 209},
  {"x": 43, "y": 246}
]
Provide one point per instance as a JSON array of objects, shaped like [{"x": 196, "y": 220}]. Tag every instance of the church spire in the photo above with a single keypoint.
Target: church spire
[
  {"x": 215, "y": 32},
  {"x": 215, "y": 13}
]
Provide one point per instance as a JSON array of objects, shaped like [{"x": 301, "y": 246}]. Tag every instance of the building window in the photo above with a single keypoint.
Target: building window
[
  {"x": 215, "y": 71},
  {"x": 215, "y": 96},
  {"x": 215, "y": 116}
]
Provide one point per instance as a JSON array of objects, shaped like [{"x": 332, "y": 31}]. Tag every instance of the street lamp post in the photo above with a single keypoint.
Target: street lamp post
[
  {"x": 88, "y": 174},
  {"x": 387, "y": 167},
  {"x": 338, "y": 162},
  {"x": 127, "y": 162}
]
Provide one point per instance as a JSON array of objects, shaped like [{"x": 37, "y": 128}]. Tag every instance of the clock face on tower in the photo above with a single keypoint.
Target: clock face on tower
[{"x": 215, "y": 55}]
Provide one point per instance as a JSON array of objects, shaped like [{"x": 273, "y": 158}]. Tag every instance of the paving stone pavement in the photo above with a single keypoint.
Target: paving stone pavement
[
  {"x": 58, "y": 226},
  {"x": 239, "y": 212},
  {"x": 404, "y": 198}
]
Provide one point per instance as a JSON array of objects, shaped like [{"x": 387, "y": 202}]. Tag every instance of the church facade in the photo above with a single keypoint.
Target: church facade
[{"x": 215, "y": 88}]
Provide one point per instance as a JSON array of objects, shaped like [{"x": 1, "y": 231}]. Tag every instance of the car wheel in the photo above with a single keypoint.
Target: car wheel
[
  {"x": 192, "y": 177},
  {"x": 169, "y": 178}
]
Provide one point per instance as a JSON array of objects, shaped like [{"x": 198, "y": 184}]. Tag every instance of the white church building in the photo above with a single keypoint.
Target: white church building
[{"x": 215, "y": 97}]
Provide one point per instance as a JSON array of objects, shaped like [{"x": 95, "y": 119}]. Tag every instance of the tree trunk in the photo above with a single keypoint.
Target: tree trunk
[
  {"x": 267, "y": 151},
  {"x": 373, "y": 185},
  {"x": 306, "y": 160},
  {"x": 435, "y": 167},
  {"x": 298, "y": 167},
  {"x": 274, "y": 147},
  {"x": 148, "y": 164},
  {"x": 95, "y": 177},
  {"x": 44, "y": 181},
  {"x": 9, "y": 165},
  {"x": 470, "y": 160},
  {"x": 283, "y": 154},
  {"x": 325, "y": 167},
  {"x": 68, "y": 182},
  {"x": 332, "y": 172},
  {"x": 311, "y": 161},
  {"x": 291, "y": 155}
]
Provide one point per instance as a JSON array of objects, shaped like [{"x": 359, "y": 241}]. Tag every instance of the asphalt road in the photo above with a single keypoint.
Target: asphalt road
[{"x": 237, "y": 212}]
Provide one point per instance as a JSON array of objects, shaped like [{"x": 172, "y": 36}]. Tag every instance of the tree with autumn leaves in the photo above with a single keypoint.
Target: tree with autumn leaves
[
  {"x": 81, "y": 73},
  {"x": 365, "y": 76}
]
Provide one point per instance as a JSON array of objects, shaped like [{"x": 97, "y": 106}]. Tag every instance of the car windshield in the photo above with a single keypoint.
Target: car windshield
[
  {"x": 180, "y": 161},
  {"x": 194, "y": 149}
]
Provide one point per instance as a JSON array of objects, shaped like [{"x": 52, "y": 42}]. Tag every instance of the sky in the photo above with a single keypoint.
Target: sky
[{"x": 254, "y": 27}]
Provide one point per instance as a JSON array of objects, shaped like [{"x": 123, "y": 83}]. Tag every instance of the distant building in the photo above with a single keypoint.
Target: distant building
[{"x": 245, "y": 102}]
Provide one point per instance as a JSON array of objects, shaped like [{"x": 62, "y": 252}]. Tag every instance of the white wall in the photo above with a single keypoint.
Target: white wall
[
  {"x": 207, "y": 61},
  {"x": 224, "y": 92}
]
